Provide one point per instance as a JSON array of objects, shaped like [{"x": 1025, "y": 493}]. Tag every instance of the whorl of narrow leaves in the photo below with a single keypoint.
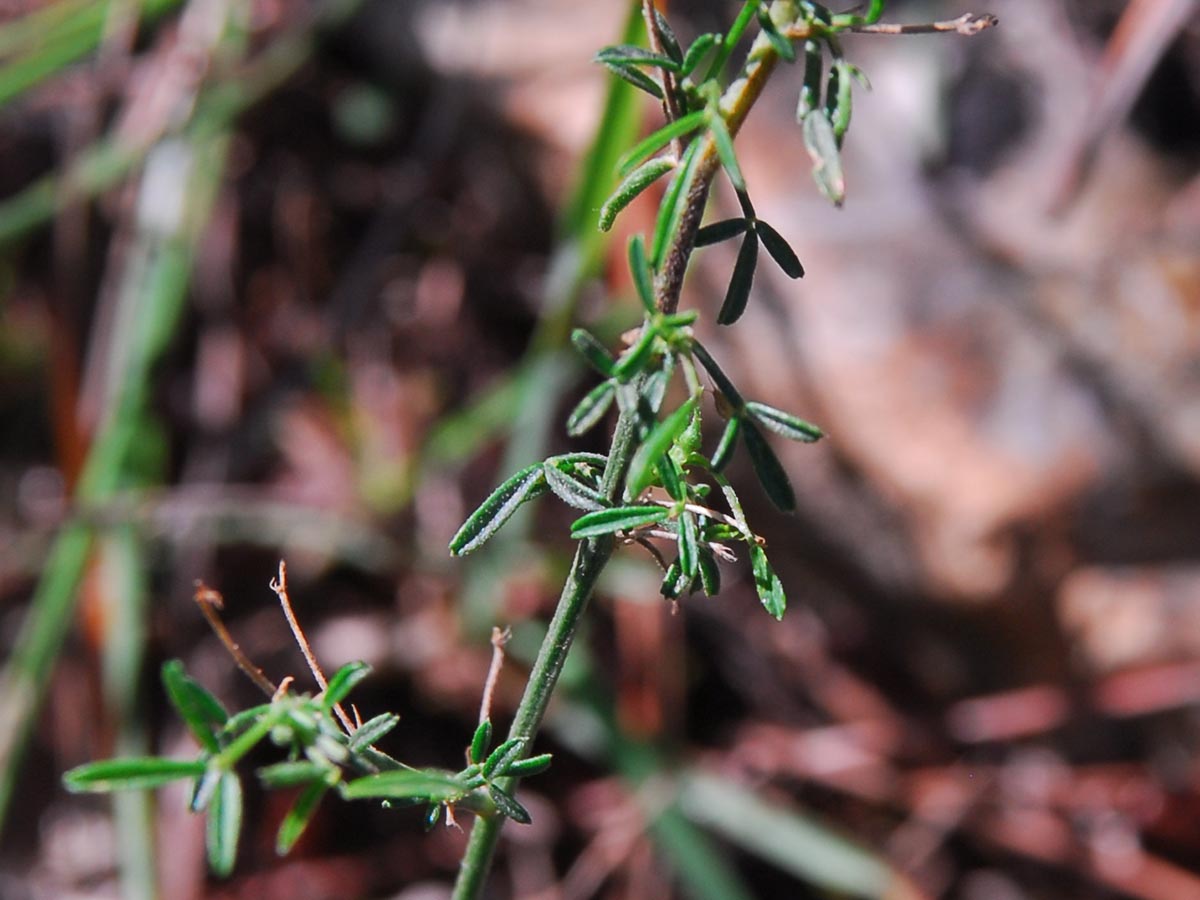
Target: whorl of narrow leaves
[
  {"x": 502, "y": 757},
  {"x": 720, "y": 231},
  {"x": 498, "y": 508}
]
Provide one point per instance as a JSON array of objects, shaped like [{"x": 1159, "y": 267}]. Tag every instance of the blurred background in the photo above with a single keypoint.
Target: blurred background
[{"x": 291, "y": 278}]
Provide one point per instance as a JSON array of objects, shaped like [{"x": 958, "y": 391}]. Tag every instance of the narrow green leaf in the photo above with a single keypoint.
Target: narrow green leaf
[
  {"x": 710, "y": 572},
  {"x": 822, "y": 147},
  {"x": 643, "y": 278},
  {"x": 766, "y": 582},
  {"x": 634, "y": 360},
  {"x": 623, "y": 518},
  {"x": 654, "y": 389},
  {"x": 573, "y": 492},
  {"x": 689, "y": 439},
  {"x": 653, "y": 142},
  {"x": 674, "y": 202},
  {"x": 738, "y": 293},
  {"x": 724, "y": 143},
  {"x": 628, "y": 54},
  {"x": 720, "y": 231},
  {"x": 720, "y": 379},
  {"x": 344, "y": 680},
  {"x": 502, "y": 757},
  {"x": 784, "y": 256},
  {"x": 636, "y": 182},
  {"x": 696, "y": 51},
  {"x": 768, "y": 469},
  {"x": 508, "y": 805},
  {"x": 667, "y": 34},
  {"x": 135, "y": 773},
  {"x": 202, "y": 790},
  {"x": 593, "y": 351},
  {"x": 534, "y": 765},
  {"x": 785, "y": 424},
  {"x": 671, "y": 477},
  {"x": 728, "y": 443},
  {"x": 372, "y": 730},
  {"x": 407, "y": 785},
  {"x": 591, "y": 409},
  {"x": 689, "y": 552},
  {"x": 497, "y": 509},
  {"x": 655, "y": 446},
  {"x": 298, "y": 817},
  {"x": 224, "y": 825},
  {"x": 201, "y": 712},
  {"x": 637, "y": 78},
  {"x": 290, "y": 774},
  {"x": 481, "y": 741}
]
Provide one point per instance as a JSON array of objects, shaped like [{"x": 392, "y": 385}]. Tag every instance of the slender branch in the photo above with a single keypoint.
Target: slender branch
[
  {"x": 211, "y": 602},
  {"x": 968, "y": 24},
  {"x": 500, "y": 637},
  {"x": 279, "y": 586}
]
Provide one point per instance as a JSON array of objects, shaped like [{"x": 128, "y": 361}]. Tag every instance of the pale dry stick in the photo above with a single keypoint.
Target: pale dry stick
[
  {"x": 210, "y": 602},
  {"x": 968, "y": 24},
  {"x": 279, "y": 586},
  {"x": 500, "y": 637}
]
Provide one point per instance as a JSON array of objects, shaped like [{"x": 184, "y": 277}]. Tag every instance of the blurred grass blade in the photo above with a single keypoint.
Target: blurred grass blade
[
  {"x": 699, "y": 865},
  {"x": 792, "y": 842}
]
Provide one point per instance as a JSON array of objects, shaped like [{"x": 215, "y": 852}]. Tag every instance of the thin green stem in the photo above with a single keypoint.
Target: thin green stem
[{"x": 593, "y": 554}]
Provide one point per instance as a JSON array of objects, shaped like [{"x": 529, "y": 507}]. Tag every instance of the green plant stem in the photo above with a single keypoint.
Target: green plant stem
[{"x": 593, "y": 554}]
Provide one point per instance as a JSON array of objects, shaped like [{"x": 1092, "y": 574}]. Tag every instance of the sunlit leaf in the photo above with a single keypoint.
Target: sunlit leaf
[
  {"x": 767, "y": 583},
  {"x": 508, "y": 805},
  {"x": 623, "y": 518},
  {"x": 655, "y": 446},
  {"x": 498, "y": 508},
  {"x": 628, "y": 190},
  {"x": 791, "y": 427},
  {"x": 658, "y": 139}
]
